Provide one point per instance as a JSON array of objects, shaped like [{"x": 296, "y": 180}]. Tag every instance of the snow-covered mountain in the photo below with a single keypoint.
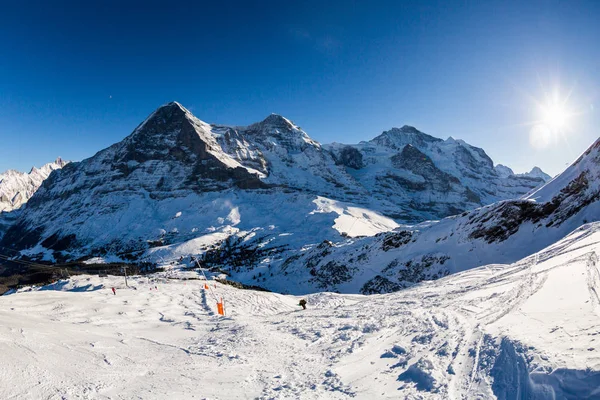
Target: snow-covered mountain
[
  {"x": 178, "y": 186},
  {"x": 502, "y": 232},
  {"x": 16, "y": 188},
  {"x": 403, "y": 173},
  {"x": 170, "y": 182},
  {"x": 287, "y": 157},
  {"x": 536, "y": 172},
  {"x": 430, "y": 178}
]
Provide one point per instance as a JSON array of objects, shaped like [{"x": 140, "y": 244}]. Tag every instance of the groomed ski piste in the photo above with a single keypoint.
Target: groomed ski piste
[{"x": 528, "y": 330}]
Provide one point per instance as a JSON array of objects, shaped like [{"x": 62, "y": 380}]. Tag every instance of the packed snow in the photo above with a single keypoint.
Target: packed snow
[{"x": 528, "y": 330}]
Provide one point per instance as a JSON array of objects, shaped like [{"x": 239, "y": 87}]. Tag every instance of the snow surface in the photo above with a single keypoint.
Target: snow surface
[{"x": 528, "y": 330}]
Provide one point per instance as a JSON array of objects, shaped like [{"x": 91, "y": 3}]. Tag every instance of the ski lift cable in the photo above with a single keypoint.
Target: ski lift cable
[
  {"x": 209, "y": 288},
  {"x": 28, "y": 263},
  {"x": 41, "y": 266}
]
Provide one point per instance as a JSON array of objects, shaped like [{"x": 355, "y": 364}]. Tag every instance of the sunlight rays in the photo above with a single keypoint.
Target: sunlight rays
[{"x": 554, "y": 118}]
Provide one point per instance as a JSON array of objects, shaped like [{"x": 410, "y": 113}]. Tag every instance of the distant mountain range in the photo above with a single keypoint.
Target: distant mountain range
[
  {"x": 267, "y": 199},
  {"x": 16, "y": 188}
]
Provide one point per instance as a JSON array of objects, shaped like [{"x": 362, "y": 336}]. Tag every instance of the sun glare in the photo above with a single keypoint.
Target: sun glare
[{"x": 555, "y": 116}]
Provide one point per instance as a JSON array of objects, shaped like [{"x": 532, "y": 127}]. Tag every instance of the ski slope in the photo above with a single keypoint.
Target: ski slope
[{"x": 527, "y": 330}]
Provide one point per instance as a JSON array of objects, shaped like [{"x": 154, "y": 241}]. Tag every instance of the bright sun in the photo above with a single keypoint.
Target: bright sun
[
  {"x": 554, "y": 116},
  {"x": 554, "y": 119}
]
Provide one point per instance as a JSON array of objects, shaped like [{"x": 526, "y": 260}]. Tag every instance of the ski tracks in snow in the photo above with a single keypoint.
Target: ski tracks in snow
[{"x": 435, "y": 340}]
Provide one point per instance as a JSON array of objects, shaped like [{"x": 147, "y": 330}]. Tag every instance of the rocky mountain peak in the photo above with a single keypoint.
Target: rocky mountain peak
[
  {"x": 60, "y": 162},
  {"x": 171, "y": 131},
  {"x": 163, "y": 116},
  {"x": 538, "y": 173},
  {"x": 278, "y": 121},
  {"x": 397, "y": 138},
  {"x": 408, "y": 129},
  {"x": 274, "y": 123}
]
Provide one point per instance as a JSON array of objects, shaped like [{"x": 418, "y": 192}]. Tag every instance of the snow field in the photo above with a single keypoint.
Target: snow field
[{"x": 528, "y": 329}]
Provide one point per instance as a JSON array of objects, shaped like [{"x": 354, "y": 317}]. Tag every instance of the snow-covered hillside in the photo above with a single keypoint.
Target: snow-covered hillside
[
  {"x": 18, "y": 187},
  {"x": 502, "y": 232},
  {"x": 178, "y": 183},
  {"x": 528, "y": 330}
]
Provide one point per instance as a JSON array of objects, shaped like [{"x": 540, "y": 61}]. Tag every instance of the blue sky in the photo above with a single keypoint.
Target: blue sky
[{"x": 76, "y": 77}]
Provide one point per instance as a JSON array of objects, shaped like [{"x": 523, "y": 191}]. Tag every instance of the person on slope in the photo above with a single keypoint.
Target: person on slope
[
  {"x": 114, "y": 291},
  {"x": 302, "y": 304}
]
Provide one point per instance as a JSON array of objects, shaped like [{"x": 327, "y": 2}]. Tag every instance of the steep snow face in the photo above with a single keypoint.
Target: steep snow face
[
  {"x": 289, "y": 158},
  {"x": 499, "y": 233},
  {"x": 427, "y": 177},
  {"x": 16, "y": 188},
  {"x": 503, "y": 171},
  {"x": 527, "y": 330},
  {"x": 585, "y": 170}
]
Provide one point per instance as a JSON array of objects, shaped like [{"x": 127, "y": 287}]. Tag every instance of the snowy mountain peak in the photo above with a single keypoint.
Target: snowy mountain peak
[
  {"x": 503, "y": 171},
  {"x": 276, "y": 130},
  {"x": 536, "y": 172},
  {"x": 397, "y": 138},
  {"x": 16, "y": 188},
  {"x": 171, "y": 131},
  {"x": 277, "y": 121},
  {"x": 408, "y": 129},
  {"x": 60, "y": 161}
]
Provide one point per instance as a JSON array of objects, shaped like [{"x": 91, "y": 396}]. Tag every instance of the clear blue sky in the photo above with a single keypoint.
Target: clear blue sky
[{"x": 76, "y": 77}]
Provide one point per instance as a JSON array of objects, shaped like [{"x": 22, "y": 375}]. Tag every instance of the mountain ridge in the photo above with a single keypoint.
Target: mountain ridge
[{"x": 178, "y": 186}]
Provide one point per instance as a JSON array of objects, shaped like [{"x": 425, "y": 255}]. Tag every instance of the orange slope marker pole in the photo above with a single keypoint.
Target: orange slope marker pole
[{"x": 221, "y": 304}]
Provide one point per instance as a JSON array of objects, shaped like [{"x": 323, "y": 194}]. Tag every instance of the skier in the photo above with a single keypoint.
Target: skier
[
  {"x": 114, "y": 291},
  {"x": 302, "y": 304}
]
